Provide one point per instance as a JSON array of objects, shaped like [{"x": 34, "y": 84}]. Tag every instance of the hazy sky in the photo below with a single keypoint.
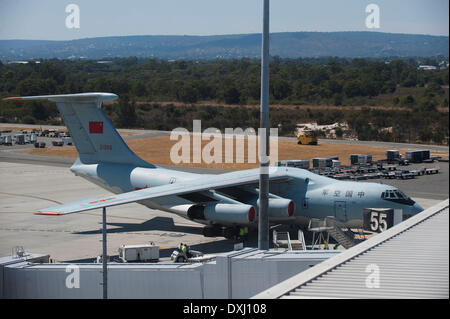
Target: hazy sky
[{"x": 45, "y": 19}]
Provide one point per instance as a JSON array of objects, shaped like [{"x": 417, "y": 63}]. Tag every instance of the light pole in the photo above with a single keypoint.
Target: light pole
[
  {"x": 104, "y": 256},
  {"x": 263, "y": 218}
]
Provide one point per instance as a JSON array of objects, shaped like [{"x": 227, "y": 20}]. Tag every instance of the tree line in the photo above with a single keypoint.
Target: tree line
[{"x": 142, "y": 84}]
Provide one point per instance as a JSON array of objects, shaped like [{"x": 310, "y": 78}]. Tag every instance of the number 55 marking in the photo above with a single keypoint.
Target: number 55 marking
[{"x": 378, "y": 222}]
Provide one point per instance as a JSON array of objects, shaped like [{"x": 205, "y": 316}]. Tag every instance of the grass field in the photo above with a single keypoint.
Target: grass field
[{"x": 157, "y": 150}]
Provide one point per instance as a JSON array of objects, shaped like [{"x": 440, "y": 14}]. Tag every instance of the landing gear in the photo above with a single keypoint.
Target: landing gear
[
  {"x": 212, "y": 231},
  {"x": 220, "y": 231},
  {"x": 230, "y": 232}
]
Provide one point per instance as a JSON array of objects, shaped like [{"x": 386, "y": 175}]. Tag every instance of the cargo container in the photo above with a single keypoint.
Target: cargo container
[
  {"x": 336, "y": 163},
  {"x": 321, "y": 162},
  {"x": 295, "y": 163},
  {"x": 356, "y": 159},
  {"x": 414, "y": 157},
  {"x": 418, "y": 156},
  {"x": 425, "y": 155},
  {"x": 392, "y": 155}
]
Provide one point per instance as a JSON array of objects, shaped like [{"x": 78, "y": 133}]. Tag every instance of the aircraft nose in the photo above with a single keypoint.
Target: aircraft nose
[{"x": 416, "y": 208}]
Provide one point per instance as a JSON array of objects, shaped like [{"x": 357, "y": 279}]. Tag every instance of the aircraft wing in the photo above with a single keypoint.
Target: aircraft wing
[{"x": 209, "y": 182}]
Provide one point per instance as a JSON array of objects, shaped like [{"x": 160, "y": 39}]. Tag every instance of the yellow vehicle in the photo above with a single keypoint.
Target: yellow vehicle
[{"x": 307, "y": 138}]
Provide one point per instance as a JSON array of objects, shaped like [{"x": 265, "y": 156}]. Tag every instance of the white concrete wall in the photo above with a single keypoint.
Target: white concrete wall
[{"x": 234, "y": 275}]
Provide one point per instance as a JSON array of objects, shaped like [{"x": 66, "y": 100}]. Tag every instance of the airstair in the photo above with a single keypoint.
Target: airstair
[
  {"x": 283, "y": 240},
  {"x": 331, "y": 227}
]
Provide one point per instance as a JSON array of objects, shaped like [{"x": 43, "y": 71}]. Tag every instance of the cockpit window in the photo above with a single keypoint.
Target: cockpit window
[{"x": 398, "y": 196}]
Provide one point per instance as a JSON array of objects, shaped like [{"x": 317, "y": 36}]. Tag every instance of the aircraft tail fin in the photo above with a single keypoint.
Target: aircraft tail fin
[{"x": 92, "y": 132}]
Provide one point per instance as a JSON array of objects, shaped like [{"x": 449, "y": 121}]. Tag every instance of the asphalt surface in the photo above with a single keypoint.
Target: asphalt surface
[
  {"x": 25, "y": 188},
  {"x": 30, "y": 183}
]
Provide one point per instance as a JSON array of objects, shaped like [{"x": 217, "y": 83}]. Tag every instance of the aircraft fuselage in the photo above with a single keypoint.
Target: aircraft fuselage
[{"x": 314, "y": 196}]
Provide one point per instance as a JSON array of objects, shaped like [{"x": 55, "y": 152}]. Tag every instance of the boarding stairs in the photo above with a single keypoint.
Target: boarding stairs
[
  {"x": 332, "y": 227},
  {"x": 283, "y": 240}
]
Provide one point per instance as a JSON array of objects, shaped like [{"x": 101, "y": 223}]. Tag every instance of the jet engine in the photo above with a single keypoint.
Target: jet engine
[
  {"x": 223, "y": 213},
  {"x": 279, "y": 208}
]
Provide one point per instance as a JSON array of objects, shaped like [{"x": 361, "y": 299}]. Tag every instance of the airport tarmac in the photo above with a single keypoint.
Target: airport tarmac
[
  {"x": 26, "y": 187},
  {"x": 30, "y": 182}
]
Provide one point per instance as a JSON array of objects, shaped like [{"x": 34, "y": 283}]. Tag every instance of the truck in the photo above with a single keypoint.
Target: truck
[
  {"x": 20, "y": 139},
  {"x": 394, "y": 157},
  {"x": 139, "y": 253},
  {"x": 67, "y": 140},
  {"x": 307, "y": 138},
  {"x": 8, "y": 140},
  {"x": 33, "y": 138}
]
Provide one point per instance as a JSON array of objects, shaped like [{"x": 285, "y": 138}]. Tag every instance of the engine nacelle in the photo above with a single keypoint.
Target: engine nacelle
[
  {"x": 224, "y": 213},
  {"x": 280, "y": 208}
]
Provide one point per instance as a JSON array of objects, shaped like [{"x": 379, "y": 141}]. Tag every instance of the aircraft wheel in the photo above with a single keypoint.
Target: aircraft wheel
[
  {"x": 230, "y": 232},
  {"x": 212, "y": 231}
]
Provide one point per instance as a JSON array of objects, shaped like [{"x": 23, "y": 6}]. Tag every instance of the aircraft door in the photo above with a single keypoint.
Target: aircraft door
[{"x": 340, "y": 210}]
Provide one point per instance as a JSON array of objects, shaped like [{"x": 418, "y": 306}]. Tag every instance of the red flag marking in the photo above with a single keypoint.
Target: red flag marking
[{"x": 95, "y": 127}]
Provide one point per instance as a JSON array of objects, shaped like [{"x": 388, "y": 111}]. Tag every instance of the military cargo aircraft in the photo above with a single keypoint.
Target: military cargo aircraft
[{"x": 222, "y": 202}]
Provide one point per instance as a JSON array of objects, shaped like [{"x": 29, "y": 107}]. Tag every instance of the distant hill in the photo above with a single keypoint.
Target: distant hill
[{"x": 285, "y": 44}]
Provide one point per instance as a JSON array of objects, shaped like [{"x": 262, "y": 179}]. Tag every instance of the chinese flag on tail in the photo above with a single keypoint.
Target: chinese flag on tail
[{"x": 96, "y": 127}]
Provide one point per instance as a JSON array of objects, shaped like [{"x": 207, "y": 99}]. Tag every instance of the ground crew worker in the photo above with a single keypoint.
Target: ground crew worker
[
  {"x": 241, "y": 232},
  {"x": 245, "y": 232},
  {"x": 183, "y": 248}
]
